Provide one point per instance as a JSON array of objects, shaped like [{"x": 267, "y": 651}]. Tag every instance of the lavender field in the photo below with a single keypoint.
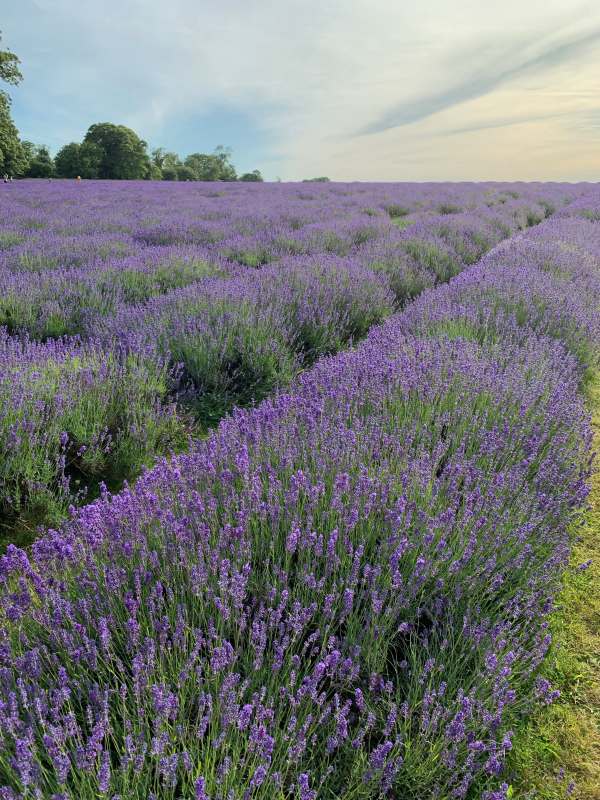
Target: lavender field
[{"x": 288, "y": 481}]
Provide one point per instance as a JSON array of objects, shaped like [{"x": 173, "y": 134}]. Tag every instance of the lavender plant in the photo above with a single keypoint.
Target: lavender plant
[
  {"x": 343, "y": 592},
  {"x": 72, "y": 415}
]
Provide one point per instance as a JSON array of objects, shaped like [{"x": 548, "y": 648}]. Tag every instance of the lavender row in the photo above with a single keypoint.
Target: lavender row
[
  {"x": 341, "y": 593},
  {"x": 74, "y": 255},
  {"x": 157, "y": 286},
  {"x": 72, "y": 414}
]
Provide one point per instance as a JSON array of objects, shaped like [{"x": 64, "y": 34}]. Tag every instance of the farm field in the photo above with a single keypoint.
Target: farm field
[
  {"x": 136, "y": 315},
  {"x": 290, "y": 479}
]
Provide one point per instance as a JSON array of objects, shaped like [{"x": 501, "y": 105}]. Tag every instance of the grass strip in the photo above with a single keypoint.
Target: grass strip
[{"x": 557, "y": 753}]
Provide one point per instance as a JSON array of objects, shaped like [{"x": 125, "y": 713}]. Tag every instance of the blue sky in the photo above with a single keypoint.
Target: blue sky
[{"x": 355, "y": 89}]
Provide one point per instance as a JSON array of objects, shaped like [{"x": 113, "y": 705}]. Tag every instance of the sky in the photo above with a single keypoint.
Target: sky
[{"x": 369, "y": 90}]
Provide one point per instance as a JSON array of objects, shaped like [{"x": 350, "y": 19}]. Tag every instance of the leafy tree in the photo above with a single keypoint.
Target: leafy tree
[
  {"x": 185, "y": 173},
  {"x": 323, "y": 179},
  {"x": 124, "y": 154},
  {"x": 166, "y": 163},
  {"x": 169, "y": 174},
  {"x": 170, "y": 164},
  {"x": 29, "y": 148},
  {"x": 154, "y": 172},
  {"x": 216, "y": 166},
  {"x": 171, "y": 160},
  {"x": 204, "y": 167},
  {"x": 13, "y": 157},
  {"x": 157, "y": 156},
  {"x": 78, "y": 159},
  {"x": 90, "y": 160},
  {"x": 66, "y": 161},
  {"x": 40, "y": 161},
  {"x": 250, "y": 177},
  {"x": 164, "y": 159},
  {"x": 9, "y": 67},
  {"x": 223, "y": 154}
]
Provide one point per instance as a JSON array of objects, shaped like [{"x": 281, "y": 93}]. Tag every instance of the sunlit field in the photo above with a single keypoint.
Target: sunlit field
[{"x": 290, "y": 476}]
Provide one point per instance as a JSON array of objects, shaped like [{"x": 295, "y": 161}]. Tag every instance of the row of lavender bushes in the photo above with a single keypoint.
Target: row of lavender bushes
[
  {"x": 177, "y": 322},
  {"x": 343, "y": 593},
  {"x": 62, "y": 271}
]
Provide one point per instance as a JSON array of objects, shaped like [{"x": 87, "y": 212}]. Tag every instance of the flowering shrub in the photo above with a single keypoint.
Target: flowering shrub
[
  {"x": 72, "y": 413},
  {"x": 342, "y": 592},
  {"x": 219, "y": 299}
]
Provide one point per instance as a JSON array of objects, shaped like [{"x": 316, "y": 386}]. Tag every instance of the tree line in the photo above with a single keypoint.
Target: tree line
[
  {"x": 107, "y": 151},
  {"x": 116, "y": 152}
]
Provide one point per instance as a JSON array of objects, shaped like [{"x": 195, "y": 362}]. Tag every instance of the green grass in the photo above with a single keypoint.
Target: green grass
[
  {"x": 403, "y": 222},
  {"x": 559, "y": 748},
  {"x": 396, "y": 211},
  {"x": 10, "y": 239},
  {"x": 438, "y": 261}
]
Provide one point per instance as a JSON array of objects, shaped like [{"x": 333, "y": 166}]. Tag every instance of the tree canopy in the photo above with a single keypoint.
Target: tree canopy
[
  {"x": 40, "y": 163},
  {"x": 107, "y": 151},
  {"x": 81, "y": 160},
  {"x": 123, "y": 153},
  {"x": 215, "y": 166},
  {"x": 252, "y": 177},
  {"x": 13, "y": 157},
  {"x": 9, "y": 67},
  {"x": 115, "y": 151}
]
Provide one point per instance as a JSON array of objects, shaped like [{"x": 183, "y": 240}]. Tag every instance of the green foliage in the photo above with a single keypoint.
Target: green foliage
[
  {"x": 136, "y": 286},
  {"x": 592, "y": 215},
  {"x": 323, "y": 179},
  {"x": 154, "y": 173},
  {"x": 560, "y": 744},
  {"x": 241, "y": 363},
  {"x": 9, "y": 67},
  {"x": 405, "y": 279},
  {"x": 165, "y": 165},
  {"x": 204, "y": 167},
  {"x": 438, "y": 261},
  {"x": 397, "y": 211},
  {"x": 223, "y": 155},
  {"x": 117, "y": 152},
  {"x": 40, "y": 162},
  {"x": 81, "y": 160},
  {"x": 13, "y": 156},
  {"x": 9, "y": 239},
  {"x": 113, "y": 424},
  {"x": 157, "y": 156},
  {"x": 185, "y": 173},
  {"x": 255, "y": 257},
  {"x": 252, "y": 177},
  {"x": 403, "y": 222},
  {"x": 214, "y": 167},
  {"x": 123, "y": 153},
  {"x": 169, "y": 174},
  {"x": 448, "y": 208}
]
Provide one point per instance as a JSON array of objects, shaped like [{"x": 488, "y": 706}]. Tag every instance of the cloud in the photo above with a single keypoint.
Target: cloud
[
  {"x": 486, "y": 81},
  {"x": 505, "y": 122},
  {"x": 289, "y": 82}
]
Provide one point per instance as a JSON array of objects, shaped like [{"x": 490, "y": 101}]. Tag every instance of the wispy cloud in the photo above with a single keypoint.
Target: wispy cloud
[
  {"x": 505, "y": 122},
  {"x": 483, "y": 83}
]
